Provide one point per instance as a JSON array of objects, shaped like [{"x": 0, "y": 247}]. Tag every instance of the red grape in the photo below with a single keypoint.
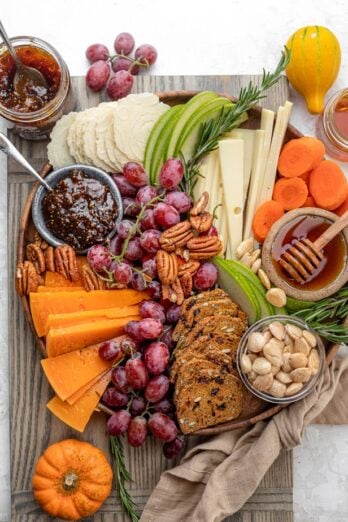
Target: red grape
[
  {"x": 138, "y": 281},
  {"x": 135, "y": 174},
  {"x": 162, "y": 427},
  {"x": 114, "y": 398},
  {"x": 164, "y": 406},
  {"x": 212, "y": 231},
  {"x": 99, "y": 258},
  {"x": 145, "y": 195},
  {"x": 157, "y": 388},
  {"x": 123, "y": 274},
  {"x": 97, "y": 75},
  {"x": 166, "y": 337},
  {"x": 119, "y": 379},
  {"x": 146, "y": 53},
  {"x": 119, "y": 85},
  {"x": 134, "y": 250},
  {"x": 118, "y": 422},
  {"x": 136, "y": 372},
  {"x": 137, "y": 432},
  {"x": 138, "y": 406},
  {"x": 149, "y": 240},
  {"x": 131, "y": 207},
  {"x": 205, "y": 277},
  {"x": 124, "y": 43},
  {"x": 125, "y": 188},
  {"x": 153, "y": 310},
  {"x": 157, "y": 357},
  {"x": 115, "y": 247},
  {"x": 173, "y": 313},
  {"x": 150, "y": 328},
  {"x": 154, "y": 290},
  {"x": 165, "y": 215},
  {"x": 132, "y": 329},
  {"x": 124, "y": 228},
  {"x": 171, "y": 173},
  {"x": 129, "y": 346},
  {"x": 124, "y": 64},
  {"x": 172, "y": 449},
  {"x": 148, "y": 220},
  {"x": 179, "y": 200},
  {"x": 97, "y": 52},
  {"x": 110, "y": 350},
  {"x": 150, "y": 267}
]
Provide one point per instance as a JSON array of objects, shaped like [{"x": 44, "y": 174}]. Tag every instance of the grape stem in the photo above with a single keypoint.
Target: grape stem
[{"x": 132, "y": 61}]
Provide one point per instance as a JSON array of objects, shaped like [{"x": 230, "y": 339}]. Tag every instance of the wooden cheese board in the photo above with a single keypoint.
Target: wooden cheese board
[{"x": 38, "y": 427}]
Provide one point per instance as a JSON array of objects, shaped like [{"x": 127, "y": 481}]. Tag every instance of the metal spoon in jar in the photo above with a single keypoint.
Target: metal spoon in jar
[
  {"x": 8, "y": 148},
  {"x": 27, "y": 80}
]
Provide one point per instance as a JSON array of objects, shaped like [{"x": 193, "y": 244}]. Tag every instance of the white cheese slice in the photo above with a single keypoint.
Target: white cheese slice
[
  {"x": 267, "y": 121},
  {"x": 231, "y": 152},
  {"x": 207, "y": 173},
  {"x": 248, "y": 135},
  {"x": 255, "y": 182},
  {"x": 283, "y": 117}
]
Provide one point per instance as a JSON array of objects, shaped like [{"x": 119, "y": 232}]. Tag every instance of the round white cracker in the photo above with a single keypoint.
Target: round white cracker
[
  {"x": 72, "y": 138},
  {"x": 90, "y": 139},
  {"x": 104, "y": 121},
  {"x": 58, "y": 150}
]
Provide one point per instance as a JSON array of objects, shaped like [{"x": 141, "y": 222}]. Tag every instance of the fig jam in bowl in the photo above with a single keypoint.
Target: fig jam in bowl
[{"x": 84, "y": 208}]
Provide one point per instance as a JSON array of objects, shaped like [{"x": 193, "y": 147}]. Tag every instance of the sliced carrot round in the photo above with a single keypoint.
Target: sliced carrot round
[
  {"x": 342, "y": 208},
  {"x": 265, "y": 216},
  {"x": 310, "y": 202},
  {"x": 290, "y": 193},
  {"x": 328, "y": 185},
  {"x": 299, "y": 156}
]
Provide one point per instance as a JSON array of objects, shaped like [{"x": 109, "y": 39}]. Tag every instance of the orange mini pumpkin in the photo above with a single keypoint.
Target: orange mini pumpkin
[{"x": 72, "y": 479}]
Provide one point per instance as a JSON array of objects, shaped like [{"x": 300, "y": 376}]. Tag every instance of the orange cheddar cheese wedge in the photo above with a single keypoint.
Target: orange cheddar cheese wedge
[
  {"x": 52, "y": 289},
  {"x": 84, "y": 389},
  {"x": 43, "y": 304},
  {"x": 64, "y": 340},
  {"x": 78, "y": 414}
]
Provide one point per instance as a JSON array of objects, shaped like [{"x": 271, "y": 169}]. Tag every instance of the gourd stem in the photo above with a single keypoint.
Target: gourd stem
[{"x": 70, "y": 480}]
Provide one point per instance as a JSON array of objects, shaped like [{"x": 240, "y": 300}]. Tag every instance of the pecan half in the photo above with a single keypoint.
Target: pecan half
[
  {"x": 27, "y": 279},
  {"x": 202, "y": 222},
  {"x": 176, "y": 236},
  {"x": 186, "y": 284},
  {"x": 66, "y": 262},
  {"x": 190, "y": 267},
  {"x": 167, "y": 267},
  {"x": 204, "y": 247},
  {"x": 49, "y": 259},
  {"x": 201, "y": 205},
  {"x": 178, "y": 290},
  {"x": 37, "y": 257},
  {"x": 90, "y": 279}
]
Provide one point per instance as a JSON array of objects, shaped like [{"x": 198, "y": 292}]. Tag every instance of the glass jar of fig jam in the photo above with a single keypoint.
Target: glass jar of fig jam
[
  {"x": 332, "y": 126},
  {"x": 32, "y": 117}
]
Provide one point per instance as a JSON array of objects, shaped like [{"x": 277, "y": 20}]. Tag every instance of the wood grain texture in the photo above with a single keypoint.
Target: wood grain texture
[{"x": 33, "y": 428}]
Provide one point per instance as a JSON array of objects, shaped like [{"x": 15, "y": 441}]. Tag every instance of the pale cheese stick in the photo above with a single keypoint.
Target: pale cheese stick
[
  {"x": 248, "y": 135},
  {"x": 255, "y": 183},
  {"x": 267, "y": 120}
]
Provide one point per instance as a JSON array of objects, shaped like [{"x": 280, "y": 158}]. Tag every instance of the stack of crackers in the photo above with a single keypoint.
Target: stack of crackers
[{"x": 208, "y": 390}]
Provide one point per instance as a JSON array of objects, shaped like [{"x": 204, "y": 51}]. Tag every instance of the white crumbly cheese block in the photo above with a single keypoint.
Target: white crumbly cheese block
[
  {"x": 248, "y": 135},
  {"x": 283, "y": 117},
  {"x": 134, "y": 118},
  {"x": 257, "y": 172},
  {"x": 58, "y": 150},
  {"x": 231, "y": 153}
]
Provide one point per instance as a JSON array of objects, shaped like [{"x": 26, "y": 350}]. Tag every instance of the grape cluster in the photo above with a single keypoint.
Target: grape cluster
[
  {"x": 140, "y": 388},
  {"x": 117, "y": 71}
]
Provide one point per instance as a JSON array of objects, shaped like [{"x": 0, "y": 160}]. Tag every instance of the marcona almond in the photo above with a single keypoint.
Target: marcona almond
[
  {"x": 246, "y": 363},
  {"x": 252, "y": 356},
  {"x": 276, "y": 297},
  {"x": 298, "y": 360},
  {"x": 301, "y": 346},
  {"x": 256, "y": 254},
  {"x": 277, "y": 330},
  {"x": 310, "y": 338},
  {"x": 301, "y": 374},
  {"x": 293, "y": 388},
  {"x": 314, "y": 361},
  {"x": 256, "y": 342},
  {"x": 246, "y": 260},
  {"x": 286, "y": 364},
  {"x": 246, "y": 246},
  {"x": 288, "y": 348},
  {"x": 264, "y": 278},
  {"x": 287, "y": 338},
  {"x": 263, "y": 382},
  {"x": 252, "y": 376},
  {"x": 256, "y": 266},
  {"x": 277, "y": 389},
  {"x": 283, "y": 377},
  {"x": 267, "y": 335},
  {"x": 273, "y": 353},
  {"x": 294, "y": 331},
  {"x": 261, "y": 366},
  {"x": 274, "y": 369}
]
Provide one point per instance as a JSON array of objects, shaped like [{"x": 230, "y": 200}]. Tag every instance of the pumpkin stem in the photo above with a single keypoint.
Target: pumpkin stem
[{"x": 70, "y": 481}]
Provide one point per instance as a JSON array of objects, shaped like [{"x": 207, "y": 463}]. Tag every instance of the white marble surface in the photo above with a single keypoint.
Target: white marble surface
[{"x": 192, "y": 37}]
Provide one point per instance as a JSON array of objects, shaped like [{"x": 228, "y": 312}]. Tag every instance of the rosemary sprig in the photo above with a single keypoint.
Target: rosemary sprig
[
  {"x": 228, "y": 119},
  {"x": 122, "y": 474},
  {"x": 326, "y": 317}
]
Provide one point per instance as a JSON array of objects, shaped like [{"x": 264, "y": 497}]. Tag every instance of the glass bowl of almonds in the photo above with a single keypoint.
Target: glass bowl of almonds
[{"x": 280, "y": 359}]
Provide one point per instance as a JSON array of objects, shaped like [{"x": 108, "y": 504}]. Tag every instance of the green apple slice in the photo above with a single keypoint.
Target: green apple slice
[{"x": 295, "y": 305}]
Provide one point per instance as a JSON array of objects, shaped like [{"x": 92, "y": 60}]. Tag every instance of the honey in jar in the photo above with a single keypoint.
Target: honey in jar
[{"x": 332, "y": 126}]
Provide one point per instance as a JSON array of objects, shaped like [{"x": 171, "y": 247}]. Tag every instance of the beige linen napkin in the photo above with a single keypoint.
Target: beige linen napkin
[{"x": 217, "y": 477}]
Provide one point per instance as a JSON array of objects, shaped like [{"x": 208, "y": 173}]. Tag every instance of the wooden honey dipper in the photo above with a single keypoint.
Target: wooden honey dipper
[{"x": 302, "y": 259}]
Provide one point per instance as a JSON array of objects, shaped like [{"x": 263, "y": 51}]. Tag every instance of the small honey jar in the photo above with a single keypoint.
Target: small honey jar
[{"x": 332, "y": 126}]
